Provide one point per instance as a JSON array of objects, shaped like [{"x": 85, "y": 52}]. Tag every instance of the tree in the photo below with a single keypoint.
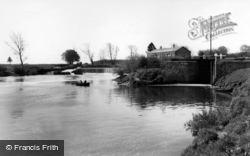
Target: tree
[
  {"x": 222, "y": 50},
  {"x": 133, "y": 50},
  {"x": 17, "y": 44},
  {"x": 9, "y": 60},
  {"x": 142, "y": 62},
  {"x": 245, "y": 48},
  {"x": 102, "y": 54},
  {"x": 206, "y": 52},
  {"x": 88, "y": 53},
  {"x": 151, "y": 47},
  {"x": 70, "y": 56},
  {"x": 132, "y": 59},
  {"x": 112, "y": 52}
]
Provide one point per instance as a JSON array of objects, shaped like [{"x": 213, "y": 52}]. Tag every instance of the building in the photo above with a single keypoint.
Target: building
[{"x": 168, "y": 53}]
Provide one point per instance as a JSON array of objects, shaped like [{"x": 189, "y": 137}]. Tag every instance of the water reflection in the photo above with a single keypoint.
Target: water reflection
[
  {"x": 145, "y": 97},
  {"x": 103, "y": 119},
  {"x": 21, "y": 79}
]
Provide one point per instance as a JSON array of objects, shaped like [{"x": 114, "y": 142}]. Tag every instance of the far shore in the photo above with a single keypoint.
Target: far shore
[{"x": 183, "y": 85}]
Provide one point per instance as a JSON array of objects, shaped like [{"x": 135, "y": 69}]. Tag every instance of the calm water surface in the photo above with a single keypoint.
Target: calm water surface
[{"x": 103, "y": 119}]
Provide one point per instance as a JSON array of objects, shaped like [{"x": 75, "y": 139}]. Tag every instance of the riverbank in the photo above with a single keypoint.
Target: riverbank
[
  {"x": 151, "y": 76},
  {"x": 36, "y": 69},
  {"x": 224, "y": 130}
]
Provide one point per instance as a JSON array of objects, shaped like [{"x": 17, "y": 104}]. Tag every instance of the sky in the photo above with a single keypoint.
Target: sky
[{"x": 50, "y": 27}]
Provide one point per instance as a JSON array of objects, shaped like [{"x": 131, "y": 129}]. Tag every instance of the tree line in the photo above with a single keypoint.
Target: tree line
[
  {"x": 111, "y": 51},
  {"x": 18, "y": 45}
]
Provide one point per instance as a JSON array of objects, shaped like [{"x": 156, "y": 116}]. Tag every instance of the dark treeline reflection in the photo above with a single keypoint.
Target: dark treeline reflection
[
  {"x": 21, "y": 79},
  {"x": 151, "y": 96}
]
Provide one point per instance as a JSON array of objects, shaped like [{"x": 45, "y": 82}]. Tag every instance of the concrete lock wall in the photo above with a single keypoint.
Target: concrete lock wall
[
  {"x": 200, "y": 71},
  {"x": 182, "y": 71},
  {"x": 225, "y": 67}
]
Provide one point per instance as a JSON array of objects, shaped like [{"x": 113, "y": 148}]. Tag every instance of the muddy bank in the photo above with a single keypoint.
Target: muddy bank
[{"x": 224, "y": 130}]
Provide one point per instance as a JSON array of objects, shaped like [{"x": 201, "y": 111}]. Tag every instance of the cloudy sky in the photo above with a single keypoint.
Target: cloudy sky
[{"x": 50, "y": 27}]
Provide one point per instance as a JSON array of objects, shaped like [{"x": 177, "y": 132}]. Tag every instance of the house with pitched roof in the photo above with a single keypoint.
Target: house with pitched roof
[{"x": 169, "y": 53}]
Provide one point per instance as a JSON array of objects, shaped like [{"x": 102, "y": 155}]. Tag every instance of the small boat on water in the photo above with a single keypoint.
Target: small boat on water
[{"x": 84, "y": 84}]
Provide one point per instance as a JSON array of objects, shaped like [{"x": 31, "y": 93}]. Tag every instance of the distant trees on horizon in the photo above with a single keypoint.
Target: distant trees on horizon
[
  {"x": 9, "y": 60},
  {"x": 245, "y": 48},
  {"x": 110, "y": 52},
  {"x": 70, "y": 56},
  {"x": 221, "y": 50}
]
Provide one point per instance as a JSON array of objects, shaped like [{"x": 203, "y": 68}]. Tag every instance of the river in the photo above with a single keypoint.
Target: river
[{"x": 103, "y": 119}]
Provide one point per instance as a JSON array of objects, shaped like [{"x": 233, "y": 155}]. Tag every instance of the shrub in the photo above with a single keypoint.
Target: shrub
[
  {"x": 205, "y": 136},
  {"x": 244, "y": 143},
  {"x": 19, "y": 71},
  {"x": 31, "y": 71},
  {"x": 153, "y": 63},
  {"x": 226, "y": 143},
  {"x": 142, "y": 62},
  {"x": 3, "y": 71},
  {"x": 153, "y": 75},
  {"x": 206, "y": 119},
  {"x": 120, "y": 70},
  {"x": 239, "y": 106}
]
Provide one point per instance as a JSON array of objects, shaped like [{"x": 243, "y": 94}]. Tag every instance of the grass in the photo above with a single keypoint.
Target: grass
[{"x": 233, "y": 121}]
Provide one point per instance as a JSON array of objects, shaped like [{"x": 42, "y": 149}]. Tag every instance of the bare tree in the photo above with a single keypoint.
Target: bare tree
[
  {"x": 102, "y": 54},
  {"x": 112, "y": 52},
  {"x": 88, "y": 53},
  {"x": 133, "y": 50},
  {"x": 17, "y": 44}
]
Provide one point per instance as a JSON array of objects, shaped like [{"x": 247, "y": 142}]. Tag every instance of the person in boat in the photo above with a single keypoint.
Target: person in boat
[
  {"x": 80, "y": 81},
  {"x": 85, "y": 82}
]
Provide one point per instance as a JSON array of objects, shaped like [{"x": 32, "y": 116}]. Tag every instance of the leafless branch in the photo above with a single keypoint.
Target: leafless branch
[
  {"x": 88, "y": 53},
  {"x": 17, "y": 45}
]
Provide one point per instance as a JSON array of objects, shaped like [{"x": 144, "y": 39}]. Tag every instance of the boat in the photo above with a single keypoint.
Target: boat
[{"x": 85, "y": 84}]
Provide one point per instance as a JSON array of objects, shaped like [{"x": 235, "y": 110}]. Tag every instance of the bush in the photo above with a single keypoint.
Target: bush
[
  {"x": 239, "y": 106},
  {"x": 205, "y": 136},
  {"x": 226, "y": 143},
  {"x": 206, "y": 119},
  {"x": 153, "y": 63},
  {"x": 120, "y": 70},
  {"x": 31, "y": 71},
  {"x": 142, "y": 62},
  {"x": 19, "y": 71},
  {"x": 3, "y": 71},
  {"x": 153, "y": 75}
]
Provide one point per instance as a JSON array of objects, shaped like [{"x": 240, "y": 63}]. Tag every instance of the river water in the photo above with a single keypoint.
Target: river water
[{"x": 103, "y": 119}]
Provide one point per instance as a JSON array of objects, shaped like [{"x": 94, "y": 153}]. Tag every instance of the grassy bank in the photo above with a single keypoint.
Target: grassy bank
[{"x": 224, "y": 131}]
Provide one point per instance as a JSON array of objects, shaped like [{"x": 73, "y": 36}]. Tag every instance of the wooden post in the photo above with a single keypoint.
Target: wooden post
[
  {"x": 211, "y": 60},
  {"x": 215, "y": 62},
  {"x": 210, "y": 36}
]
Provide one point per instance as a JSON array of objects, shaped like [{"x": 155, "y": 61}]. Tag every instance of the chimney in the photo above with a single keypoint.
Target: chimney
[
  {"x": 173, "y": 45},
  {"x": 160, "y": 47}
]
